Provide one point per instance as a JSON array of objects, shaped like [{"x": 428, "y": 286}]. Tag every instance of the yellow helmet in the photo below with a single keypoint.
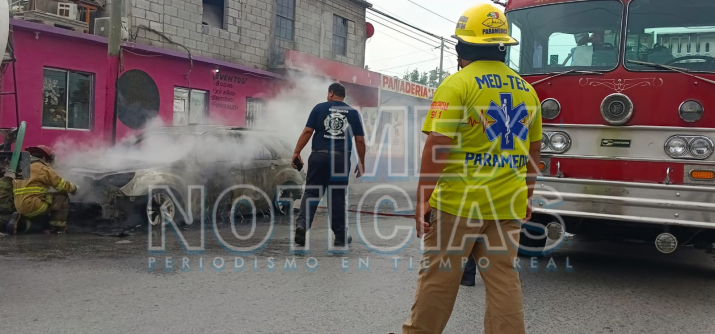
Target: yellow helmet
[{"x": 484, "y": 24}]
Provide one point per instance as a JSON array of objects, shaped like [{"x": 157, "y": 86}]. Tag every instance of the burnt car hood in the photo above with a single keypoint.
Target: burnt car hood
[{"x": 98, "y": 169}]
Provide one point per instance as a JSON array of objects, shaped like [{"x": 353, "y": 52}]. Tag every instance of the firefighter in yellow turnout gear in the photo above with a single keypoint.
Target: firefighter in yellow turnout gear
[{"x": 33, "y": 198}]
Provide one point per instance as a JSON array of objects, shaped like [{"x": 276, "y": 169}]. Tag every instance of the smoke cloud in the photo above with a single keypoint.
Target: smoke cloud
[
  {"x": 285, "y": 116},
  {"x": 288, "y": 112}
]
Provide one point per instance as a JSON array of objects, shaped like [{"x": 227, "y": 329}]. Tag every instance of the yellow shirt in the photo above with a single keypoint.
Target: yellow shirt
[{"x": 492, "y": 115}]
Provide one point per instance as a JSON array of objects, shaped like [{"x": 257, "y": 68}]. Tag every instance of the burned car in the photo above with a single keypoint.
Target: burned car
[{"x": 236, "y": 170}]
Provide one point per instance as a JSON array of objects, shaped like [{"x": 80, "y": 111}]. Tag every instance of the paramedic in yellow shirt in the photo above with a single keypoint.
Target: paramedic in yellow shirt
[{"x": 484, "y": 138}]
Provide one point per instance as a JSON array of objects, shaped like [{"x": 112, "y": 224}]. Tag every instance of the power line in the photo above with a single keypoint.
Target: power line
[
  {"x": 393, "y": 72},
  {"x": 393, "y": 14},
  {"x": 380, "y": 22},
  {"x": 405, "y": 55},
  {"x": 403, "y": 42},
  {"x": 408, "y": 64},
  {"x": 401, "y": 32},
  {"x": 408, "y": 44},
  {"x": 385, "y": 23},
  {"x": 418, "y": 5},
  {"x": 405, "y": 23},
  {"x": 409, "y": 24}
]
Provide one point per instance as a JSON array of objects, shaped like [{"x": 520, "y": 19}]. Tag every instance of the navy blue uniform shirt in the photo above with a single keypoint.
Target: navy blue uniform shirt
[{"x": 335, "y": 123}]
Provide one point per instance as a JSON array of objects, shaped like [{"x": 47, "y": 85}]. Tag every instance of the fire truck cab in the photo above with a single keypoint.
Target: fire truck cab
[{"x": 628, "y": 106}]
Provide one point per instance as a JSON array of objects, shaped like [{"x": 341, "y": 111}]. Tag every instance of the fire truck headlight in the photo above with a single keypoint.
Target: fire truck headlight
[
  {"x": 701, "y": 147},
  {"x": 560, "y": 142},
  {"x": 691, "y": 111},
  {"x": 617, "y": 109},
  {"x": 676, "y": 147},
  {"x": 544, "y": 141},
  {"x": 550, "y": 108}
]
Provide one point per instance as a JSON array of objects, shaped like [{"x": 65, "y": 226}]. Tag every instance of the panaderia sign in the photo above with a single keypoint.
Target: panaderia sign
[{"x": 405, "y": 87}]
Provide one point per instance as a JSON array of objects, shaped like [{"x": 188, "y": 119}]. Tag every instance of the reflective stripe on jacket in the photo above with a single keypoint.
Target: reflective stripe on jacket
[{"x": 30, "y": 195}]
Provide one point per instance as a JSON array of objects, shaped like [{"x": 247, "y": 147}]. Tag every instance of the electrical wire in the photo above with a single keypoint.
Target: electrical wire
[
  {"x": 393, "y": 14},
  {"x": 405, "y": 55},
  {"x": 382, "y": 23},
  {"x": 418, "y": 5},
  {"x": 411, "y": 24},
  {"x": 424, "y": 61},
  {"x": 401, "y": 41},
  {"x": 191, "y": 57},
  {"x": 139, "y": 54},
  {"x": 414, "y": 27},
  {"x": 408, "y": 44},
  {"x": 401, "y": 32},
  {"x": 419, "y": 40}
]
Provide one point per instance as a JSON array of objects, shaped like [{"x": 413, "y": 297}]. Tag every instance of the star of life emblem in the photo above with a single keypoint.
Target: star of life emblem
[{"x": 507, "y": 122}]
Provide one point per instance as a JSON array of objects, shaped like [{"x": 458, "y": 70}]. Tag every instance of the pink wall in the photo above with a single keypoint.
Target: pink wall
[
  {"x": 34, "y": 53},
  {"x": 39, "y": 46},
  {"x": 228, "y": 89}
]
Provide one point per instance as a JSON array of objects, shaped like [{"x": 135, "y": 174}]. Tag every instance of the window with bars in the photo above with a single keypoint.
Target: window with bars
[
  {"x": 285, "y": 18},
  {"x": 254, "y": 111},
  {"x": 67, "y": 99},
  {"x": 340, "y": 35}
]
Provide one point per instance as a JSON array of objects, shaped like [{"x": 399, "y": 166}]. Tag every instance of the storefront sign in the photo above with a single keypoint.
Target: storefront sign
[
  {"x": 405, "y": 87},
  {"x": 223, "y": 95}
]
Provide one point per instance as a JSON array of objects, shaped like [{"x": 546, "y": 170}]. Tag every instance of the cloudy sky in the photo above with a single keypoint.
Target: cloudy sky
[{"x": 391, "y": 52}]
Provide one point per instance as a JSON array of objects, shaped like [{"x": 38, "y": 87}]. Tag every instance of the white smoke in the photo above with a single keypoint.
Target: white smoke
[
  {"x": 285, "y": 115},
  {"x": 288, "y": 112}
]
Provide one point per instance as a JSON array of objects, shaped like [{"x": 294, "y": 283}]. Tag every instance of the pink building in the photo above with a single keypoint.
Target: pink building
[
  {"x": 62, "y": 87},
  {"x": 62, "y": 80}
]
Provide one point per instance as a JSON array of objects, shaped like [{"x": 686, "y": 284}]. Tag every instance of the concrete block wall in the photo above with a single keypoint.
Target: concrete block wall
[{"x": 247, "y": 36}]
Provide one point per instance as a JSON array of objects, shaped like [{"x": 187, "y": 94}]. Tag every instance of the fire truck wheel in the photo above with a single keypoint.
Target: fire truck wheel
[{"x": 532, "y": 239}]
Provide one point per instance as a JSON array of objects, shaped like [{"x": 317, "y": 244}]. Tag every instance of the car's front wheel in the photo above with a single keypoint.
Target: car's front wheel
[
  {"x": 283, "y": 207},
  {"x": 162, "y": 210}
]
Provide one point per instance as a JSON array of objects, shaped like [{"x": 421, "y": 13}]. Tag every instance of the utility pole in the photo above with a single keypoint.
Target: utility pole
[
  {"x": 113, "y": 51},
  {"x": 441, "y": 61},
  {"x": 115, "y": 27}
]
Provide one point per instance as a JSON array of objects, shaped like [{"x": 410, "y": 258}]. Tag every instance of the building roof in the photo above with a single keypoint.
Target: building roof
[
  {"x": 93, "y": 3},
  {"x": 362, "y": 3}
]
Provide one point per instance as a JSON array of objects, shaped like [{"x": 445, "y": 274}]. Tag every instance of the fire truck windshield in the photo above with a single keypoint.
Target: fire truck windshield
[
  {"x": 675, "y": 33},
  {"x": 581, "y": 36}
]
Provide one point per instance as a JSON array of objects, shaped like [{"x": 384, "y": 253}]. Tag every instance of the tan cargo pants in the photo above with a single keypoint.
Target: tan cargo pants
[
  {"x": 438, "y": 285},
  {"x": 58, "y": 209}
]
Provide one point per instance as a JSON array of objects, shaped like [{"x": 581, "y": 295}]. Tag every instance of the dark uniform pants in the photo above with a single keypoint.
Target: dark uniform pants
[
  {"x": 7, "y": 204},
  {"x": 327, "y": 173}
]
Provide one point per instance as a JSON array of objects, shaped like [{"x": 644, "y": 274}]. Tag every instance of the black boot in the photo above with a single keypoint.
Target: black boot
[
  {"x": 468, "y": 280},
  {"x": 300, "y": 236},
  {"x": 341, "y": 243},
  {"x": 11, "y": 227}
]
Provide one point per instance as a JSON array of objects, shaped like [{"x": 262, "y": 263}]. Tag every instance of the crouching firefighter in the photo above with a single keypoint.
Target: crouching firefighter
[{"x": 33, "y": 199}]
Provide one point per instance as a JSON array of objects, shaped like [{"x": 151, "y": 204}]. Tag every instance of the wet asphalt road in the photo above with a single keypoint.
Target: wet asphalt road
[{"x": 84, "y": 283}]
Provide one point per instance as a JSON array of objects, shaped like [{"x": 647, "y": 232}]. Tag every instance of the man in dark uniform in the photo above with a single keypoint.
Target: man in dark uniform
[{"x": 335, "y": 124}]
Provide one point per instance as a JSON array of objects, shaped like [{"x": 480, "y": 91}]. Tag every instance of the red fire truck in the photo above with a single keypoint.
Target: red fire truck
[{"x": 628, "y": 104}]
